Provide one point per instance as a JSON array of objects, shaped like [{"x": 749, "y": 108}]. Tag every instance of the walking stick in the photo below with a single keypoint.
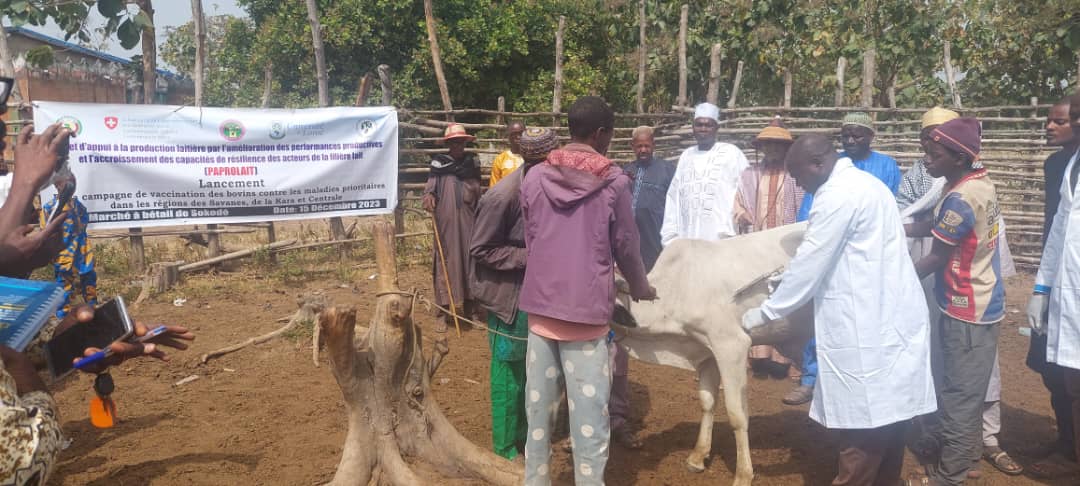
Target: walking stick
[{"x": 446, "y": 275}]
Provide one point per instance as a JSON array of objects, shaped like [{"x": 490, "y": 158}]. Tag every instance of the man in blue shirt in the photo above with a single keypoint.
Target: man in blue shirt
[{"x": 856, "y": 135}]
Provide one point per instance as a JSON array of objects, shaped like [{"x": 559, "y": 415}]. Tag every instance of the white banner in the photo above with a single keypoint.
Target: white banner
[{"x": 156, "y": 165}]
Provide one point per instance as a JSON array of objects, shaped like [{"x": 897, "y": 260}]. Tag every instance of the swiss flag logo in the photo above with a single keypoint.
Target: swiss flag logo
[{"x": 111, "y": 122}]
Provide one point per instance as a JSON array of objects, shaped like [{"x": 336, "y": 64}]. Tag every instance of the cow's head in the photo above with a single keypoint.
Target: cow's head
[{"x": 622, "y": 315}]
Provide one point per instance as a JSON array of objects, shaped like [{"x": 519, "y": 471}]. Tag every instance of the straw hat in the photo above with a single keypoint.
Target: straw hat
[
  {"x": 455, "y": 130},
  {"x": 775, "y": 132}
]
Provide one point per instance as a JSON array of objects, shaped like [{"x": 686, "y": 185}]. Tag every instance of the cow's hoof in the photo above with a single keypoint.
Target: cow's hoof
[{"x": 695, "y": 465}]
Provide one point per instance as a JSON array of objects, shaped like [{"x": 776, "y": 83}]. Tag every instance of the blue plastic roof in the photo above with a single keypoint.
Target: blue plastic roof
[{"x": 68, "y": 46}]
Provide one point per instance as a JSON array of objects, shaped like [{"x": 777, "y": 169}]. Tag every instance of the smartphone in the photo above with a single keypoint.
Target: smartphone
[
  {"x": 62, "y": 199},
  {"x": 111, "y": 323}
]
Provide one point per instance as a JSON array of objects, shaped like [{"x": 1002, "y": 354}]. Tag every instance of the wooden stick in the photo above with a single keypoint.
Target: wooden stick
[
  {"x": 735, "y": 86},
  {"x": 436, "y": 57},
  {"x": 363, "y": 90},
  {"x": 199, "y": 22},
  {"x": 309, "y": 311},
  {"x": 684, "y": 17},
  {"x": 320, "y": 55},
  {"x": 643, "y": 55},
  {"x": 387, "y": 85},
  {"x": 713, "y": 94},
  {"x": 788, "y": 86},
  {"x": 500, "y": 119},
  {"x": 446, "y": 274},
  {"x": 556, "y": 100},
  {"x": 234, "y": 255},
  {"x": 841, "y": 68}
]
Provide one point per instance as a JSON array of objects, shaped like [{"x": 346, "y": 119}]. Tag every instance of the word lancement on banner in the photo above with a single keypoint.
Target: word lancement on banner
[{"x": 157, "y": 165}]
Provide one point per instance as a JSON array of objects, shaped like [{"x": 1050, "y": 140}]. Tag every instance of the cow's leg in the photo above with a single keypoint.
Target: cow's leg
[
  {"x": 708, "y": 386},
  {"x": 731, "y": 362}
]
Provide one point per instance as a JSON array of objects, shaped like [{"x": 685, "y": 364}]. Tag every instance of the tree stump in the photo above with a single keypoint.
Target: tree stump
[{"x": 385, "y": 380}]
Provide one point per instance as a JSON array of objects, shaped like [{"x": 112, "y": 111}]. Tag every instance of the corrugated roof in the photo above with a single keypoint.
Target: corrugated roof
[{"x": 68, "y": 46}]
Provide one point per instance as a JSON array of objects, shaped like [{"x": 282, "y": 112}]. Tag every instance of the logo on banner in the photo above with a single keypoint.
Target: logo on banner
[
  {"x": 111, "y": 122},
  {"x": 277, "y": 130},
  {"x": 364, "y": 126},
  {"x": 70, "y": 123},
  {"x": 232, "y": 130}
]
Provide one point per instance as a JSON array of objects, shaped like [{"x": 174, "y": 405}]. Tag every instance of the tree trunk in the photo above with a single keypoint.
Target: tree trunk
[
  {"x": 713, "y": 95},
  {"x": 684, "y": 18},
  {"x": 385, "y": 381},
  {"x": 149, "y": 54},
  {"x": 320, "y": 55},
  {"x": 642, "y": 58},
  {"x": 436, "y": 58},
  {"x": 200, "y": 48},
  {"x": 7, "y": 65}
]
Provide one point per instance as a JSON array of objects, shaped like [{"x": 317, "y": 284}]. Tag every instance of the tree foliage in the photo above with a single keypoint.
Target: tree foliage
[{"x": 1005, "y": 50}]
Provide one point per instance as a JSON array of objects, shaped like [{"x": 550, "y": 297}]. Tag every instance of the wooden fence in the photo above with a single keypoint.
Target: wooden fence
[{"x": 1014, "y": 146}]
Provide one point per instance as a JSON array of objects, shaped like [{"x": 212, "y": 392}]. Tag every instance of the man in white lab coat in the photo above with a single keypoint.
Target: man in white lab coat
[
  {"x": 873, "y": 341},
  {"x": 1054, "y": 307},
  {"x": 701, "y": 198}
]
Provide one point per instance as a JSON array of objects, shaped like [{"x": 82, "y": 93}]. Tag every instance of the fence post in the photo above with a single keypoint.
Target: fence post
[
  {"x": 387, "y": 86},
  {"x": 271, "y": 237},
  {"x": 788, "y": 82},
  {"x": 138, "y": 253},
  {"x": 436, "y": 59},
  {"x": 556, "y": 101},
  {"x": 735, "y": 86},
  {"x": 713, "y": 95},
  {"x": 684, "y": 18},
  {"x": 841, "y": 68},
  {"x": 501, "y": 104},
  {"x": 1034, "y": 107},
  {"x": 869, "y": 68},
  {"x": 642, "y": 56},
  {"x": 950, "y": 76}
]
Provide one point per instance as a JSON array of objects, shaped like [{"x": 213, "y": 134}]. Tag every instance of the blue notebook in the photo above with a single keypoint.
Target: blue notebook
[{"x": 25, "y": 307}]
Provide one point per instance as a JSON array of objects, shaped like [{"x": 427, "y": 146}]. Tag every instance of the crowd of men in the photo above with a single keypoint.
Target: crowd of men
[{"x": 904, "y": 273}]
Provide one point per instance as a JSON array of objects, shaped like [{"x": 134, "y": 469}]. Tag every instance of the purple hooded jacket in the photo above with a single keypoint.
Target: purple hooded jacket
[{"x": 576, "y": 226}]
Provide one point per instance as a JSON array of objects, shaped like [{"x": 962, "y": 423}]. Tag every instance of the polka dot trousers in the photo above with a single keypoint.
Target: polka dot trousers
[{"x": 588, "y": 385}]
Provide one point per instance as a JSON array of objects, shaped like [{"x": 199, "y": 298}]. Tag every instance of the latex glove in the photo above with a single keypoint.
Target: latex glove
[
  {"x": 1037, "y": 309},
  {"x": 753, "y": 318}
]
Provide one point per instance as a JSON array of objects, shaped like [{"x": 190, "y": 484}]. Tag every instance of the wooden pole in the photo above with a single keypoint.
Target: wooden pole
[
  {"x": 556, "y": 101},
  {"x": 138, "y": 253},
  {"x": 841, "y": 68},
  {"x": 363, "y": 90},
  {"x": 892, "y": 93},
  {"x": 1078, "y": 70},
  {"x": 950, "y": 76},
  {"x": 320, "y": 55},
  {"x": 1034, "y": 107},
  {"x": 149, "y": 54},
  {"x": 684, "y": 20},
  {"x": 713, "y": 94},
  {"x": 234, "y": 255},
  {"x": 268, "y": 82},
  {"x": 501, "y": 105},
  {"x": 436, "y": 57},
  {"x": 387, "y": 85},
  {"x": 200, "y": 48},
  {"x": 735, "y": 86},
  {"x": 869, "y": 68},
  {"x": 642, "y": 58},
  {"x": 271, "y": 238},
  {"x": 788, "y": 87}
]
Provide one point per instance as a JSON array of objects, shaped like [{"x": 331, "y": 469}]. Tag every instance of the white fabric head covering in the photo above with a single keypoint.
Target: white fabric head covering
[{"x": 707, "y": 110}]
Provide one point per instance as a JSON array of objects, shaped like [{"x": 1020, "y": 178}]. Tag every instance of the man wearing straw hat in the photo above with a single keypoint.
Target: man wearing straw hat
[
  {"x": 701, "y": 198},
  {"x": 450, "y": 195},
  {"x": 768, "y": 197},
  {"x": 856, "y": 136},
  {"x": 498, "y": 254}
]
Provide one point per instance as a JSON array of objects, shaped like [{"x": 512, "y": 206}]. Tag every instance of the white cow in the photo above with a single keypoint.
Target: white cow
[{"x": 704, "y": 288}]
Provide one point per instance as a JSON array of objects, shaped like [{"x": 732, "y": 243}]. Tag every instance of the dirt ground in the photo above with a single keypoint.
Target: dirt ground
[{"x": 267, "y": 415}]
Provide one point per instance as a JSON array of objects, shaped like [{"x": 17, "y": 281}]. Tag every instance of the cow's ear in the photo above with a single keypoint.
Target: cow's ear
[{"x": 623, "y": 317}]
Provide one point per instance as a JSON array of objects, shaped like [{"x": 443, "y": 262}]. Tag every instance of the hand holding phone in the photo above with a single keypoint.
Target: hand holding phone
[{"x": 110, "y": 323}]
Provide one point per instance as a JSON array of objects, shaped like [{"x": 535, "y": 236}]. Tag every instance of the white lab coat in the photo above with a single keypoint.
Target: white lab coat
[
  {"x": 1060, "y": 269},
  {"x": 871, "y": 319},
  {"x": 701, "y": 198}
]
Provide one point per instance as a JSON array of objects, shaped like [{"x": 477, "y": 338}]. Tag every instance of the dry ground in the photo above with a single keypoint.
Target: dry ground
[{"x": 267, "y": 415}]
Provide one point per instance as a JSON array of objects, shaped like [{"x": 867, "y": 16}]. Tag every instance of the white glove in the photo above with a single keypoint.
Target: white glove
[
  {"x": 1037, "y": 309},
  {"x": 753, "y": 318}
]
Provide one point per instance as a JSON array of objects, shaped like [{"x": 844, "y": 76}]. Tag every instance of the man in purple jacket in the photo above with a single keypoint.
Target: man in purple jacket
[{"x": 578, "y": 224}]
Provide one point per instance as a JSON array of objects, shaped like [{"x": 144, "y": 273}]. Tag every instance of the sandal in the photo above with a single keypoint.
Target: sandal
[
  {"x": 1001, "y": 460},
  {"x": 917, "y": 481},
  {"x": 1054, "y": 466}
]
